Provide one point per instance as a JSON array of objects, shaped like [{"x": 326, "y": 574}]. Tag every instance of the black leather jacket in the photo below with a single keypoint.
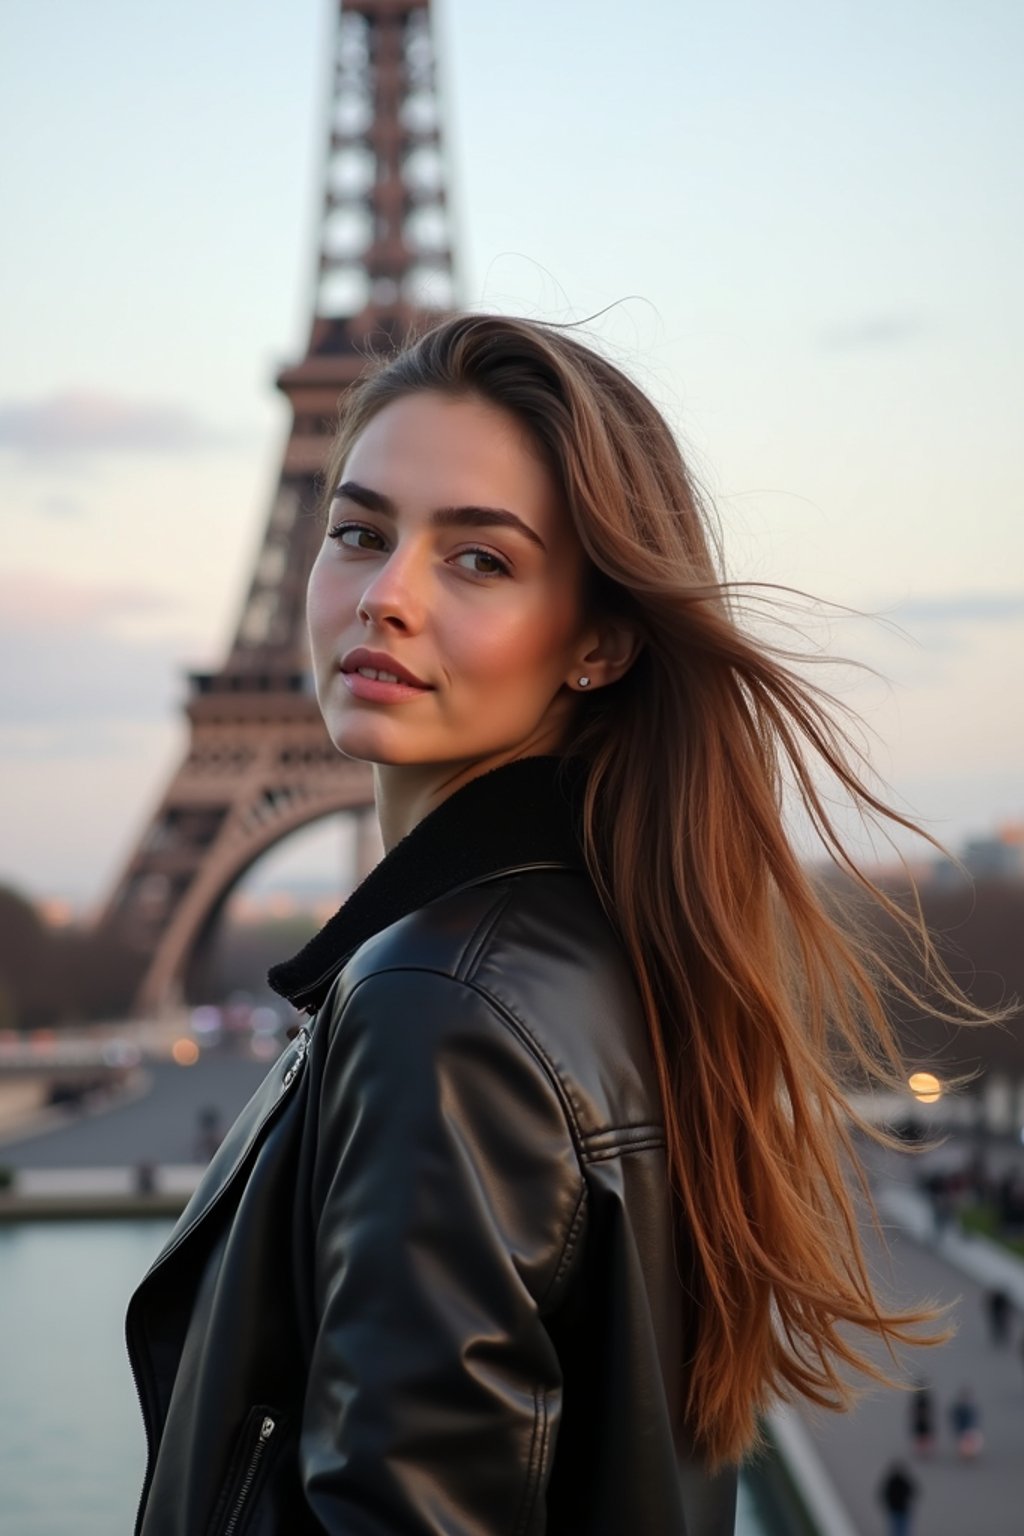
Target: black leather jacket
[{"x": 427, "y": 1284}]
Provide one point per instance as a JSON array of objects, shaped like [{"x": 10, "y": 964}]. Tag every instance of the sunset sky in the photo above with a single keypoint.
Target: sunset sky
[{"x": 807, "y": 218}]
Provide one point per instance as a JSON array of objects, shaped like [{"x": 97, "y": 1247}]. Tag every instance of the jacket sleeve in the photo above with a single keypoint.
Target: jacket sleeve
[{"x": 447, "y": 1195}]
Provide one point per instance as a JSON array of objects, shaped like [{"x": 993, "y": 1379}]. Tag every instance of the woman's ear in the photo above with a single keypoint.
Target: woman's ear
[{"x": 610, "y": 649}]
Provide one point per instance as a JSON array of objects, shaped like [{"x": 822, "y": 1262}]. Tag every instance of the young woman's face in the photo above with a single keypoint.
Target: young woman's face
[{"x": 450, "y": 559}]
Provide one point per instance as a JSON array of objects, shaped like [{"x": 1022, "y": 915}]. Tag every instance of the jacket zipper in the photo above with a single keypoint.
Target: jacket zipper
[
  {"x": 143, "y": 1496},
  {"x": 266, "y": 1430},
  {"x": 301, "y": 1048},
  {"x": 301, "y": 1042}
]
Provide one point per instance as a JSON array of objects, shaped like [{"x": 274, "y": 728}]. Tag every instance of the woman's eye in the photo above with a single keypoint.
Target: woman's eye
[
  {"x": 484, "y": 563},
  {"x": 355, "y": 536}
]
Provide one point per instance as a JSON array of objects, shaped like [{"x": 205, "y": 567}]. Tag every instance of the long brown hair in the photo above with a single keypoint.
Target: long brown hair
[{"x": 762, "y": 999}]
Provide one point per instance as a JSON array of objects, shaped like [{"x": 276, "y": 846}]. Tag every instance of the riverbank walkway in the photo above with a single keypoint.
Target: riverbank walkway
[
  {"x": 158, "y": 1122},
  {"x": 980, "y": 1498},
  {"x": 140, "y": 1153}
]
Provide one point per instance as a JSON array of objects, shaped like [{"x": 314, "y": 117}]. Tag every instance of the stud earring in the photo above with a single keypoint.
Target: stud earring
[{"x": 584, "y": 682}]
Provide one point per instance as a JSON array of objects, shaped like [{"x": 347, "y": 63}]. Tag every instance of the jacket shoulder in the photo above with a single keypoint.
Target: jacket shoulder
[{"x": 538, "y": 946}]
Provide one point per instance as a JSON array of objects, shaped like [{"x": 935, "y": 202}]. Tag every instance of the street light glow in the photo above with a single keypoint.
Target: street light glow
[
  {"x": 185, "y": 1052},
  {"x": 925, "y": 1087}
]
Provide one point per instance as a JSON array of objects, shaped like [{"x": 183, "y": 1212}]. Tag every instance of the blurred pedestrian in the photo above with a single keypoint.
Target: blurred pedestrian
[
  {"x": 922, "y": 1420},
  {"x": 897, "y": 1493},
  {"x": 209, "y": 1133},
  {"x": 999, "y": 1308},
  {"x": 965, "y": 1422}
]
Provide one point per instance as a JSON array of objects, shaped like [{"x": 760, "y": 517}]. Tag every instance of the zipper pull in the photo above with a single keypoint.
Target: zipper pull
[
  {"x": 301, "y": 1047},
  {"x": 266, "y": 1430}
]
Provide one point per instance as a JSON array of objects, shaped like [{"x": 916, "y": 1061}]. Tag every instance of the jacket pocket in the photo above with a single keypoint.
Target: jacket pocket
[{"x": 256, "y": 1447}]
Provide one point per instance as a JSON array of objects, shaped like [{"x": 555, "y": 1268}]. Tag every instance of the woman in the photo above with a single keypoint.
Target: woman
[
  {"x": 922, "y": 1419},
  {"x": 898, "y": 1493},
  {"x": 965, "y": 1422},
  {"x": 547, "y": 1201}
]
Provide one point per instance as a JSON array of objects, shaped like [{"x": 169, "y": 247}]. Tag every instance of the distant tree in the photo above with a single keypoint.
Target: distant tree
[
  {"x": 53, "y": 976},
  {"x": 29, "y": 970},
  {"x": 978, "y": 931},
  {"x": 104, "y": 973},
  {"x": 8, "y": 1007}
]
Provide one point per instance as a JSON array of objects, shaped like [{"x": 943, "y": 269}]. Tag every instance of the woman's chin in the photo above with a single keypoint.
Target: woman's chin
[{"x": 366, "y": 742}]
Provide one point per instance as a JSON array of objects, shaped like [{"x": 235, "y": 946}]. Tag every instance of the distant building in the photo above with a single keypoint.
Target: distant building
[
  {"x": 994, "y": 856},
  {"x": 997, "y": 857}
]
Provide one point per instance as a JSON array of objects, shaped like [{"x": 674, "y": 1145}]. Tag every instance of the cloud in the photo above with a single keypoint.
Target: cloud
[
  {"x": 960, "y": 608},
  {"x": 85, "y": 422},
  {"x": 99, "y": 681},
  {"x": 31, "y": 603},
  {"x": 875, "y": 331},
  {"x": 61, "y": 506},
  {"x": 936, "y": 629},
  {"x": 66, "y": 676}
]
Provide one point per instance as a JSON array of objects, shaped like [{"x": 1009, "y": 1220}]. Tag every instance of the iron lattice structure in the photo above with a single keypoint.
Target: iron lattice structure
[{"x": 259, "y": 764}]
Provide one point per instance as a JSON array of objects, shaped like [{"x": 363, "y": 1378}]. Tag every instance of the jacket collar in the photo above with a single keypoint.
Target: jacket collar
[{"x": 525, "y": 812}]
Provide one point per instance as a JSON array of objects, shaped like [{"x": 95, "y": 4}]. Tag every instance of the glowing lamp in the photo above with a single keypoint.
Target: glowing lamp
[{"x": 925, "y": 1087}]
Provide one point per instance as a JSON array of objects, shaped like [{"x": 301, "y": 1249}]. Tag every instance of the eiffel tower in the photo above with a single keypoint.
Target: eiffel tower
[{"x": 259, "y": 763}]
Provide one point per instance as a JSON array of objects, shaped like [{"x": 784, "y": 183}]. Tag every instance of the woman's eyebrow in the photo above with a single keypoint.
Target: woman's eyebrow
[{"x": 441, "y": 517}]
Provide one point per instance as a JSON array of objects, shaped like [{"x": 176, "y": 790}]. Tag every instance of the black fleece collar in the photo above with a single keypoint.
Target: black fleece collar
[{"x": 525, "y": 812}]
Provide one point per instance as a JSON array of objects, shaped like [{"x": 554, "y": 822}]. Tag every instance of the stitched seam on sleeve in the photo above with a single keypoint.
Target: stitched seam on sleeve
[
  {"x": 624, "y": 1149},
  {"x": 526, "y": 1501},
  {"x": 568, "y": 1247},
  {"x": 615, "y": 1138},
  {"x": 514, "y": 1027},
  {"x": 535, "y": 1463},
  {"x": 509, "y": 1021},
  {"x": 650, "y": 1138},
  {"x": 545, "y": 1435},
  {"x": 647, "y": 1128},
  {"x": 467, "y": 961},
  {"x": 544, "y": 1443},
  {"x": 529, "y": 1041}
]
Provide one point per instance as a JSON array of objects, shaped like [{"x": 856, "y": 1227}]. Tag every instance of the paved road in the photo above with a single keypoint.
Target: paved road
[
  {"x": 981, "y": 1499},
  {"x": 160, "y": 1127}
]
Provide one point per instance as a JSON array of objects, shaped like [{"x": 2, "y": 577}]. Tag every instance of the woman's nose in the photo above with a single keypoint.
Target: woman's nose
[{"x": 393, "y": 598}]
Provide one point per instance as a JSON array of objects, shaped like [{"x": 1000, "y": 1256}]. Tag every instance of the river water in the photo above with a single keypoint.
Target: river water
[{"x": 72, "y": 1447}]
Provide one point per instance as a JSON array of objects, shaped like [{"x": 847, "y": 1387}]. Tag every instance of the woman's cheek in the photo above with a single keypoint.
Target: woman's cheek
[
  {"x": 507, "y": 643},
  {"x": 329, "y": 606},
  {"x": 315, "y": 621}
]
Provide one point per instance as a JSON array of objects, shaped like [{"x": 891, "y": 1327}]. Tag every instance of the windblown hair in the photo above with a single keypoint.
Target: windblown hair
[{"x": 765, "y": 1001}]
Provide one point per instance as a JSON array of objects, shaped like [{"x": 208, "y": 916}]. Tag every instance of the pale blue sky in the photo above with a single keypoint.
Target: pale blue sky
[{"x": 808, "y": 213}]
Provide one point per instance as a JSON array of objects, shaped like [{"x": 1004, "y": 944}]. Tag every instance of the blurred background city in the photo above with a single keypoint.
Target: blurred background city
[{"x": 799, "y": 228}]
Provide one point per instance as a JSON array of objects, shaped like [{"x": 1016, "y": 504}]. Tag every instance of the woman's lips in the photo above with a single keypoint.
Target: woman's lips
[
  {"x": 374, "y": 691},
  {"x": 380, "y": 664}
]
